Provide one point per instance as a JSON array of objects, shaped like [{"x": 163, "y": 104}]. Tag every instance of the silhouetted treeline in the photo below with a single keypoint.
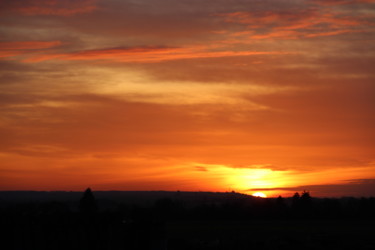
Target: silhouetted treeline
[{"x": 86, "y": 222}]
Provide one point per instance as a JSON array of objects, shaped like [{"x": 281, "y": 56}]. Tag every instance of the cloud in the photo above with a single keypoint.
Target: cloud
[
  {"x": 280, "y": 85},
  {"x": 49, "y": 7},
  {"x": 16, "y": 48},
  {"x": 293, "y": 24},
  {"x": 148, "y": 54},
  {"x": 342, "y": 2},
  {"x": 28, "y": 45},
  {"x": 354, "y": 187},
  {"x": 259, "y": 166},
  {"x": 201, "y": 168},
  {"x": 143, "y": 124}
]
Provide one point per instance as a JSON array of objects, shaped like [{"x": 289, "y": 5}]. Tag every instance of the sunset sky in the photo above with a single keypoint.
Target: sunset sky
[{"x": 275, "y": 96}]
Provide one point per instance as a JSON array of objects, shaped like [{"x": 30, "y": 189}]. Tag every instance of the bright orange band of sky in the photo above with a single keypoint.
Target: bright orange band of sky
[{"x": 252, "y": 96}]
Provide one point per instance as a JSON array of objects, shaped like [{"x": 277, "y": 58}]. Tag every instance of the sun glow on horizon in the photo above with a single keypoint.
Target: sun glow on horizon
[
  {"x": 259, "y": 194},
  {"x": 243, "y": 179},
  {"x": 253, "y": 178}
]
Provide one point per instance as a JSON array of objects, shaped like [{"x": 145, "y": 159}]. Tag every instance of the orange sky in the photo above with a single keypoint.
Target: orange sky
[{"x": 190, "y": 95}]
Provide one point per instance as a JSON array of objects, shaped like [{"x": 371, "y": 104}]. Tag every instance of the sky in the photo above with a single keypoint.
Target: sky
[{"x": 276, "y": 96}]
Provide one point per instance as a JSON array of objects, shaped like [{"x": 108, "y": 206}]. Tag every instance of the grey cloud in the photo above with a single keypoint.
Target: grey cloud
[{"x": 354, "y": 187}]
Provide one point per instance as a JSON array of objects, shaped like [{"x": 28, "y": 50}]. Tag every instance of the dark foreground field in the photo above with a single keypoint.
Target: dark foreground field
[
  {"x": 179, "y": 220},
  {"x": 272, "y": 234}
]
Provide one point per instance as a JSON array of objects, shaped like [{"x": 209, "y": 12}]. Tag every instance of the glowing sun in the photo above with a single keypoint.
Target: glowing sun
[{"x": 259, "y": 194}]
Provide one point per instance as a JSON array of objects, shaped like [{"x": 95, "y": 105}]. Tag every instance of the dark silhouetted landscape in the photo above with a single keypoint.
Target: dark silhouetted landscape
[{"x": 183, "y": 220}]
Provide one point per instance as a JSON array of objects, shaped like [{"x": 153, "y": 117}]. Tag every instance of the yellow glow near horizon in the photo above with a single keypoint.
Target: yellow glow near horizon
[
  {"x": 248, "y": 178},
  {"x": 239, "y": 179},
  {"x": 259, "y": 194}
]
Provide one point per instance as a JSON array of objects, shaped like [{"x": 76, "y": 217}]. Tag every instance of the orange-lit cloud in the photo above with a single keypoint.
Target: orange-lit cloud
[
  {"x": 186, "y": 95},
  {"x": 10, "y": 49},
  {"x": 293, "y": 24},
  {"x": 148, "y": 54}
]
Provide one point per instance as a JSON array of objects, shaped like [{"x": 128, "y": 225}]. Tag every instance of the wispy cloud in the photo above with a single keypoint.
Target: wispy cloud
[
  {"x": 49, "y": 7},
  {"x": 147, "y": 54},
  {"x": 342, "y": 2},
  {"x": 201, "y": 168},
  {"x": 15, "y": 48},
  {"x": 304, "y": 23}
]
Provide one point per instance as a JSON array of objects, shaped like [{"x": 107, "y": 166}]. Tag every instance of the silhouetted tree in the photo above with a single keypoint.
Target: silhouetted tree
[
  {"x": 305, "y": 199},
  {"x": 295, "y": 200},
  {"x": 87, "y": 204},
  {"x": 305, "y": 195},
  {"x": 280, "y": 201},
  {"x": 306, "y": 204}
]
